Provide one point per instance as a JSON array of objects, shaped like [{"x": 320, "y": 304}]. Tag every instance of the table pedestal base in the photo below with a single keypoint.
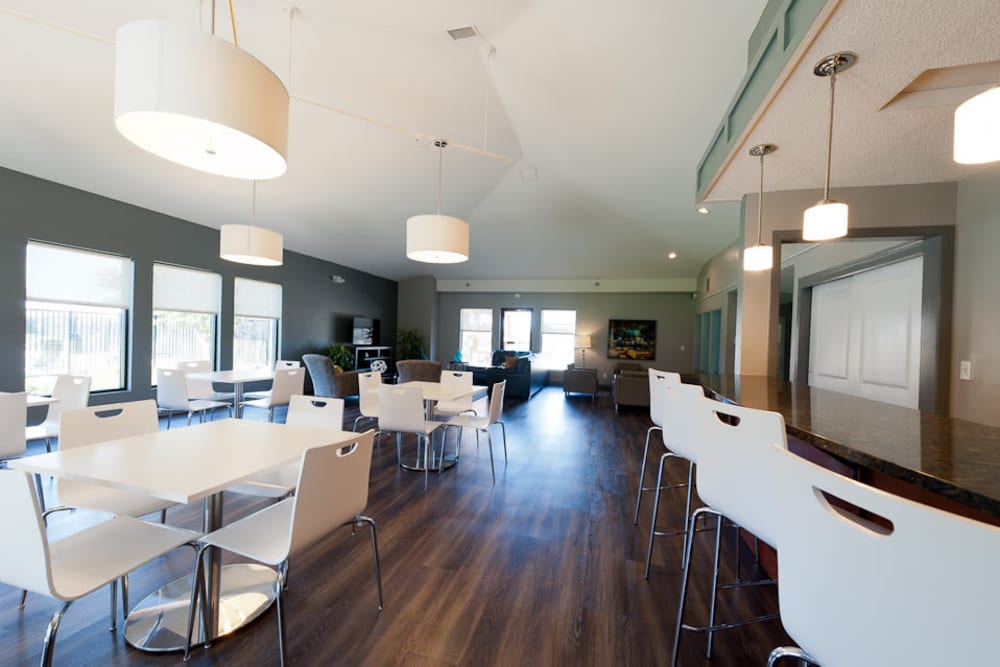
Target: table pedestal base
[
  {"x": 159, "y": 623},
  {"x": 417, "y": 462}
]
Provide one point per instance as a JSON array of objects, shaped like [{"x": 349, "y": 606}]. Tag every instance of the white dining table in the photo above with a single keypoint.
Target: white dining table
[
  {"x": 237, "y": 378},
  {"x": 185, "y": 465}
]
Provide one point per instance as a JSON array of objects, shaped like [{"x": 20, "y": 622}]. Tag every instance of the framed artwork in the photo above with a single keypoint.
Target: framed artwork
[{"x": 631, "y": 339}]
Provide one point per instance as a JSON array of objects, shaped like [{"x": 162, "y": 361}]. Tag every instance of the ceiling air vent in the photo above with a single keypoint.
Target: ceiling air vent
[{"x": 465, "y": 32}]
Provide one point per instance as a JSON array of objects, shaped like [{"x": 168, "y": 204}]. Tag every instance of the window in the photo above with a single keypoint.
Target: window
[
  {"x": 76, "y": 315},
  {"x": 558, "y": 338},
  {"x": 186, "y": 305},
  {"x": 515, "y": 332},
  {"x": 476, "y": 335},
  {"x": 255, "y": 328}
]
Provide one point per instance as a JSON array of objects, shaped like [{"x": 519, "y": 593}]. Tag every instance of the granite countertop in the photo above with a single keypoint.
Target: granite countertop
[{"x": 955, "y": 458}]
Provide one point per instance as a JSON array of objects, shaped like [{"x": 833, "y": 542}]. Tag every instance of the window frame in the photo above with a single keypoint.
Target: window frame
[
  {"x": 487, "y": 357},
  {"x": 503, "y": 323},
  {"x": 547, "y": 359},
  {"x": 261, "y": 309},
  {"x": 212, "y": 310}
]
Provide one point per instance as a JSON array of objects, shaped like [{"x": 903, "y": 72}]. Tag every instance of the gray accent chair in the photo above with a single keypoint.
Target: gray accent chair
[
  {"x": 580, "y": 380},
  {"x": 326, "y": 382},
  {"x": 426, "y": 370},
  {"x": 630, "y": 385}
]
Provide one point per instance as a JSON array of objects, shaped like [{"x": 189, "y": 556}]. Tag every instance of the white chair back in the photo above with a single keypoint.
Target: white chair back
[
  {"x": 679, "y": 433},
  {"x": 316, "y": 411},
  {"x": 99, "y": 423},
  {"x": 734, "y": 474},
  {"x": 461, "y": 378},
  {"x": 24, "y": 558},
  {"x": 197, "y": 387},
  {"x": 287, "y": 381},
  {"x": 72, "y": 392},
  {"x": 657, "y": 381},
  {"x": 171, "y": 389},
  {"x": 496, "y": 401},
  {"x": 283, "y": 363},
  {"x": 368, "y": 393},
  {"x": 332, "y": 489},
  {"x": 13, "y": 413},
  {"x": 401, "y": 409},
  {"x": 852, "y": 593}
]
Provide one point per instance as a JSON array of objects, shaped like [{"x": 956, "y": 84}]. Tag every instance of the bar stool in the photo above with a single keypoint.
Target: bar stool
[
  {"x": 915, "y": 589},
  {"x": 657, "y": 380},
  {"x": 680, "y": 441},
  {"x": 734, "y": 478}
]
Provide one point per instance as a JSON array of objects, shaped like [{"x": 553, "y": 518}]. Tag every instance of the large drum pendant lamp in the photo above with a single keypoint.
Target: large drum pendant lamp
[
  {"x": 977, "y": 129},
  {"x": 196, "y": 100},
  {"x": 436, "y": 238},
  {"x": 250, "y": 244}
]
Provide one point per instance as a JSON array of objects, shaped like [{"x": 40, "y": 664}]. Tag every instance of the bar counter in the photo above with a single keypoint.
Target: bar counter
[{"x": 956, "y": 461}]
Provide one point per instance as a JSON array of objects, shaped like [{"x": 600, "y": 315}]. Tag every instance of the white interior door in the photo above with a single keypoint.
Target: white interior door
[{"x": 865, "y": 334}]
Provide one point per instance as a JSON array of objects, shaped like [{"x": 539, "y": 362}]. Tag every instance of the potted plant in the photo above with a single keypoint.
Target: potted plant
[
  {"x": 410, "y": 344},
  {"x": 342, "y": 356}
]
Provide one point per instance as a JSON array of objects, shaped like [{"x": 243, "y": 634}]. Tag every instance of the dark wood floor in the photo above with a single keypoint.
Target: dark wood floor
[{"x": 544, "y": 568}]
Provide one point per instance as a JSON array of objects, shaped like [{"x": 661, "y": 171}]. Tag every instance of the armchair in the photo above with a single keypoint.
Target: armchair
[
  {"x": 630, "y": 385},
  {"x": 580, "y": 380},
  {"x": 326, "y": 382}
]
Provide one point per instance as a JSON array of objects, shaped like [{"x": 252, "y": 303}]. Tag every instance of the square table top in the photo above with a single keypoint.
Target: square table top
[
  {"x": 236, "y": 376},
  {"x": 184, "y": 464},
  {"x": 438, "y": 391}
]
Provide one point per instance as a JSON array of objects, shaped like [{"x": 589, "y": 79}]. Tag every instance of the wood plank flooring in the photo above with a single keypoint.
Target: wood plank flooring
[{"x": 543, "y": 568}]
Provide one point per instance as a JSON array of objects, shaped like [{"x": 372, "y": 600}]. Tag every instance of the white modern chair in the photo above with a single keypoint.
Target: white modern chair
[
  {"x": 914, "y": 589},
  {"x": 332, "y": 492},
  {"x": 172, "y": 396},
  {"x": 287, "y": 382},
  {"x": 401, "y": 410},
  {"x": 77, "y": 565},
  {"x": 13, "y": 412},
  {"x": 308, "y": 411},
  {"x": 278, "y": 365},
  {"x": 735, "y": 477},
  {"x": 368, "y": 394},
  {"x": 71, "y": 392},
  {"x": 462, "y": 405},
  {"x": 201, "y": 388},
  {"x": 483, "y": 425},
  {"x": 657, "y": 381}
]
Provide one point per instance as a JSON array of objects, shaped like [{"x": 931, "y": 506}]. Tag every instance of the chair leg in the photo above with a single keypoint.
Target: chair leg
[
  {"x": 503, "y": 431},
  {"x": 789, "y": 652},
  {"x": 378, "y": 575},
  {"x": 642, "y": 475},
  {"x": 489, "y": 442},
  {"x": 41, "y": 492},
  {"x": 687, "y": 506},
  {"x": 282, "y": 641},
  {"x": 24, "y": 596},
  {"x": 48, "y": 444},
  {"x": 684, "y": 582},
  {"x": 125, "y": 607},
  {"x": 715, "y": 587},
  {"x": 48, "y": 646},
  {"x": 163, "y": 515},
  {"x": 190, "y": 414},
  {"x": 656, "y": 509},
  {"x": 113, "y": 589}
]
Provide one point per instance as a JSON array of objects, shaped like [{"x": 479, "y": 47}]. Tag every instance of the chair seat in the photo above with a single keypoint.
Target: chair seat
[
  {"x": 469, "y": 421},
  {"x": 452, "y": 408},
  {"x": 274, "y": 483},
  {"x": 40, "y": 432},
  {"x": 113, "y": 501},
  {"x": 83, "y": 562},
  {"x": 251, "y": 395},
  {"x": 226, "y": 396},
  {"x": 262, "y": 536}
]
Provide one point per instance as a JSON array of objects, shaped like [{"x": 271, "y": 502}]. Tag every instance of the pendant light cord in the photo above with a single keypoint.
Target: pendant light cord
[
  {"x": 440, "y": 145},
  {"x": 760, "y": 200},
  {"x": 253, "y": 204},
  {"x": 232, "y": 20},
  {"x": 829, "y": 135}
]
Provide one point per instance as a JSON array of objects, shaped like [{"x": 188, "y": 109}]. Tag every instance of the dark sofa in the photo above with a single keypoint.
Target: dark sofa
[{"x": 523, "y": 380}]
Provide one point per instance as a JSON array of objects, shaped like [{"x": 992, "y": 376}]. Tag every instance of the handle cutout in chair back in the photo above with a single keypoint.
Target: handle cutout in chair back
[
  {"x": 318, "y": 404},
  {"x": 726, "y": 418},
  {"x": 347, "y": 450},
  {"x": 864, "y": 520},
  {"x": 107, "y": 414}
]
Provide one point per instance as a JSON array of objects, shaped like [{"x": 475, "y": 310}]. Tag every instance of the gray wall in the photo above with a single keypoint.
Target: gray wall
[
  {"x": 315, "y": 311},
  {"x": 718, "y": 282},
  {"x": 418, "y": 309},
  {"x": 673, "y": 312},
  {"x": 976, "y": 314}
]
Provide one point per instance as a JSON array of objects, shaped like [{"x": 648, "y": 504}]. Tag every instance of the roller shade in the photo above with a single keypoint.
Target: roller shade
[
  {"x": 69, "y": 275},
  {"x": 188, "y": 290},
  {"x": 257, "y": 299}
]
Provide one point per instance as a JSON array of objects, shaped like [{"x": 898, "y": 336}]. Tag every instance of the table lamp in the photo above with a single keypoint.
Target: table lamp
[{"x": 583, "y": 344}]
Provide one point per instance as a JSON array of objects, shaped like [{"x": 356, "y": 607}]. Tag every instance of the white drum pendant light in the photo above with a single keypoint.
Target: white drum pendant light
[
  {"x": 196, "y": 100},
  {"x": 250, "y": 244},
  {"x": 760, "y": 257},
  {"x": 436, "y": 238},
  {"x": 977, "y": 128},
  {"x": 828, "y": 219}
]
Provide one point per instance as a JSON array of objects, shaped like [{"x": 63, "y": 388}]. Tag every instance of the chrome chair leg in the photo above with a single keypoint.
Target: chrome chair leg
[
  {"x": 687, "y": 511},
  {"x": 692, "y": 522},
  {"x": 163, "y": 515},
  {"x": 489, "y": 441},
  {"x": 113, "y": 589},
  {"x": 282, "y": 640},
  {"x": 715, "y": 587},
  {"x": 503, "y": 430},
  {"x": 789, "y": 652},
  {"x": 642, "y": 474},
  {"x": 48, "y": 646},
  {"x": 656, "y": 509},
  {"x": 24, "y": 595},
  {"x": 378, "y": 576},
  {"x": 125, "y": 606},
  {"x": 41, "y": 493}
]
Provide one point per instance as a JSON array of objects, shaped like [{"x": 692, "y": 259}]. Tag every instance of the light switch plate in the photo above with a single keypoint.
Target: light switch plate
[{"x": 965, "y": 370}]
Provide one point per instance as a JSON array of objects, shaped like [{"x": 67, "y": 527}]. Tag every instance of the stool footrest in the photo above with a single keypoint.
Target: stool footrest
[{"x": 728, "y": 626}]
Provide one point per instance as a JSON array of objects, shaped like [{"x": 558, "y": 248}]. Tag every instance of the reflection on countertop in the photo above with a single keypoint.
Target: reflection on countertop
[{"x": 951, "y": 457}]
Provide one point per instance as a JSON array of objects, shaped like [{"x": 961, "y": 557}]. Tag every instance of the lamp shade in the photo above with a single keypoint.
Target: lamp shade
[
  {"x": 437, "y": 239},
  {"x": 758, "y": 258},
  {"x": 977, "y": 128},
  {"x": 250, "y": 245},
  {"x": 196, "y": 100},
  {"x": 826, "y": 220},
  {"x": 583, "y": 343}
]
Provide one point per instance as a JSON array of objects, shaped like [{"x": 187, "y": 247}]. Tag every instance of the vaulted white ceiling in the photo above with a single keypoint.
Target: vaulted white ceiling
[{"x": 603, "y": 108}]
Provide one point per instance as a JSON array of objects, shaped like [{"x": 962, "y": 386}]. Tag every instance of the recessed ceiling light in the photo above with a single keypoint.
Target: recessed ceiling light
[
  {"x": 703, "y": 210},
  {"x": 672, "y": 255}
]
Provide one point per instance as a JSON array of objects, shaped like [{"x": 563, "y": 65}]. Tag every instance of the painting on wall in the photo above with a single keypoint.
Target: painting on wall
[{"x": 631, "y": 339}]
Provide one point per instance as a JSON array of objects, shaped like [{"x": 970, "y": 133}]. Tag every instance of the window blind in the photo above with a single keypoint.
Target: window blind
[
  {"x": 188, "y": 290},
  {"x": 255, "y": 298},
  {"x": 83, "y": 277}
]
